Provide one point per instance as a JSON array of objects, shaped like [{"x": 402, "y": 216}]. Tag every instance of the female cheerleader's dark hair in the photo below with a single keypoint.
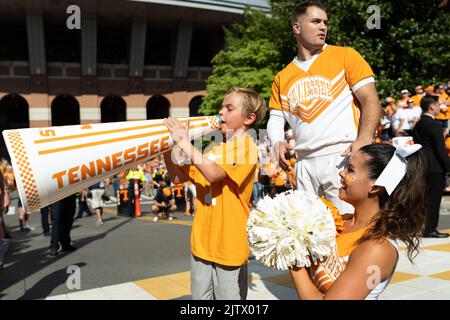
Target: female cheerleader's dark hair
[{"x": 402, "y": 214}]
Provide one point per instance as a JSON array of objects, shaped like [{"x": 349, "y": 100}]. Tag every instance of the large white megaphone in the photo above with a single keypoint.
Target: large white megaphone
[{"x": 52, "y": 163}]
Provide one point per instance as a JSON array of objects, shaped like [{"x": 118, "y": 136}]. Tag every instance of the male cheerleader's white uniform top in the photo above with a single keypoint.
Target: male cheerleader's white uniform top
[
  {"x": 324, "y": 274},
  {"x": 316, "y": 98}
]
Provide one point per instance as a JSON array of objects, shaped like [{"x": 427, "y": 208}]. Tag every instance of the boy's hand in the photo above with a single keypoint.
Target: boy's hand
[{"x": 177, "y": 130}]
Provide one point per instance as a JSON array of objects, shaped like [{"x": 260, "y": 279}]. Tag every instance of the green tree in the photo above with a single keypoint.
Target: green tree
[{"x": 410, "y": 48}]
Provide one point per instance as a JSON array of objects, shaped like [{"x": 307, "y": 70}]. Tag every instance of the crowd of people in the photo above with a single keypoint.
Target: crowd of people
[
  {"x": 400, "y": 116},
  {"x": 398, "y": 119}
]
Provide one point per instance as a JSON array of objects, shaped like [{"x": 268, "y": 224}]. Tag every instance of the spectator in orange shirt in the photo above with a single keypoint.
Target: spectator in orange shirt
[
  {"x": 292, "y": 180},
  {"x": 429, "y": 90},
  {"x": 443, "y": 115},
  {"x": 279, "y": 180},
  {"x": 418, "y": 96},
  {"x": 292, "y": 159},
  {"x": 390, "y": 106},
  {"x": 443, "y": 96},
  {"x": 9, "y": 178}
]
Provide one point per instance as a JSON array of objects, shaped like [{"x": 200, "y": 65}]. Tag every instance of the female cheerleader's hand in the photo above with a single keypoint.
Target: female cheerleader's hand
[
  {"x": 356, "y": 145},
  {"x": 177, "y": 130}
]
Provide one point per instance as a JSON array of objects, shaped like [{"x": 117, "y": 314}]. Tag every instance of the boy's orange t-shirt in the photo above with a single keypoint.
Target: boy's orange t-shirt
[{"x": 222, "y": 208}]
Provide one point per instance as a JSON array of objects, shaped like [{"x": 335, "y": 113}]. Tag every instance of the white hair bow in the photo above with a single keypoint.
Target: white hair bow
[{"x": 396, "y": 168}]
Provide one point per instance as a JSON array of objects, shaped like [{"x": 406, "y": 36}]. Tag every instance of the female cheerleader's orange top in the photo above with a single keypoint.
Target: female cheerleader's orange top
[{"x": 325, "y": 273}]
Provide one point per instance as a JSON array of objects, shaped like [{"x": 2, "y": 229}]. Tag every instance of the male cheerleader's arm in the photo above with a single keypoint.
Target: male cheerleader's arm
[
  {"x": 275, "y": 131},
  {"x": 370, "y": 117},
  {"x": 210, "y": 170}
]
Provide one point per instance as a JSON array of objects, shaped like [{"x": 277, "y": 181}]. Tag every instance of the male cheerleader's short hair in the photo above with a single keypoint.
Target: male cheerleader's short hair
[
  {"x": 300, "y": 9},
  {"x": 252, "y": 102}
]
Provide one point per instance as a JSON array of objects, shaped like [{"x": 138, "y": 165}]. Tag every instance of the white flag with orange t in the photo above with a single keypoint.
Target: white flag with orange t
[{"x": 51, "y": 163}]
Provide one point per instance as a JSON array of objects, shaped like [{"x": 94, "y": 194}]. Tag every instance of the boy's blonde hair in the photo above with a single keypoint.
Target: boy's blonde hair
[{"x": 252, "y": 102}]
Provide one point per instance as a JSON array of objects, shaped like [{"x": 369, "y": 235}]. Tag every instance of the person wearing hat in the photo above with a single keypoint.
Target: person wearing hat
[
  {"x": 444, "y": 114},
  {"x": 443, "y": 96},
  {"x": 429, "y": 89},
  {"x": 401, "y": 121},
  {"x": 388, "y": 114},
  {"x": 404, "y": 97},
  {"x": 390, "y": 106},
  {"x": 418, "y": 96}
]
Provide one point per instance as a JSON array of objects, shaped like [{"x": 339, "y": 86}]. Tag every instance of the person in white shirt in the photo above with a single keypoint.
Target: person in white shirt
[
  {"x": 401, "y": 121},
  {"x": 415, "y": 112}
]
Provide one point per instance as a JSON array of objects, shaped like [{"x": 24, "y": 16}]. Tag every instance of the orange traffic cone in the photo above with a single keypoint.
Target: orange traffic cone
[{"x": 137, "y": 202}]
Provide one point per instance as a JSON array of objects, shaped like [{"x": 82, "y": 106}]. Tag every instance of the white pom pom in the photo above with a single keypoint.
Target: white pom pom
[{"x": 293, "y": 229}]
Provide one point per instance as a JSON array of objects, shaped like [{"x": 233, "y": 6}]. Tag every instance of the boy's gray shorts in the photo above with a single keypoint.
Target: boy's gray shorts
[{"x": 212, "y": 281}]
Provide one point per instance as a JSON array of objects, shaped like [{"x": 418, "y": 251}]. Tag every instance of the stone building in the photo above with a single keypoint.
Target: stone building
[{"x": 87, "y": 61}]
